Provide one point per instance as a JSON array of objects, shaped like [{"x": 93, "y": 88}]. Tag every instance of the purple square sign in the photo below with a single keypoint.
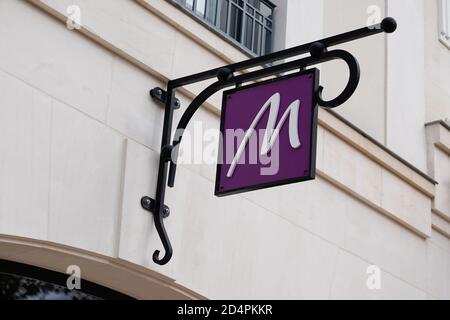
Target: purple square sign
[{"x": 268, "y": 134}]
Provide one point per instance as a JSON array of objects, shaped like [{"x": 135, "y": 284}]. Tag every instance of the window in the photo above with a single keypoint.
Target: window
[
  {"x": 248, "y": 22},
  {"x": 444, "y": 25}
]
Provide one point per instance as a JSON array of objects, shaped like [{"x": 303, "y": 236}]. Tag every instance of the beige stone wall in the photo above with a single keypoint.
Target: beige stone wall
[
  {"x": 366, "y": 108},
  {"x": 438, "y": 136},
  {"x": 79, "y": 147}
]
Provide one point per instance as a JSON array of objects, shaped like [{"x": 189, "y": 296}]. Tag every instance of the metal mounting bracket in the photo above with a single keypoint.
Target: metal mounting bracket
[
  {"x": 161, "y": 95},
  {"x": 149, "y": 204}
]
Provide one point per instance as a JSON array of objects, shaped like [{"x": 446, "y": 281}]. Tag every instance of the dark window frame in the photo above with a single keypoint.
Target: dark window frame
[{"x": 243, "y": 13}]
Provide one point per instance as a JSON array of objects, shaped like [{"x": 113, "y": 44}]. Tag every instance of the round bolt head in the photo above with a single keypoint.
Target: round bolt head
[
  {"x": 317, "y": 49},
  {"x": 224, "y": 74},
  {"x": 389, "y": 25},
  {"x": 145, "y": 202}
]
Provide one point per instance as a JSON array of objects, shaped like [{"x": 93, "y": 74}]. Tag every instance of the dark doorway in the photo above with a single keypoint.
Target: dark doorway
[{"x": 24, "y": 282}]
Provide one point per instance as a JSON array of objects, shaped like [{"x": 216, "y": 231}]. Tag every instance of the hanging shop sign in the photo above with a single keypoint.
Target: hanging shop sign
[
  {"x": 277, "y": 120},
  {"x": 268, "y": 134}
]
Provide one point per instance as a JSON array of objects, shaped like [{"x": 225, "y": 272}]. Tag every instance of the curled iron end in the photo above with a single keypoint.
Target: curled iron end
[
  {"x": 167, "y": 247},
  {"x": 352, "y": 83},
  {"x": 162, "y": 261},
  {"x": 159, "y": 218}
]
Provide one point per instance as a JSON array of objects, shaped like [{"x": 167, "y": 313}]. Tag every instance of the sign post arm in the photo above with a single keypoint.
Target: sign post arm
[{"x": 388, "y": 25}]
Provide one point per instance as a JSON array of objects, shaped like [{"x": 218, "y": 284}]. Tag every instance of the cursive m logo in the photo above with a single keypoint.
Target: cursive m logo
[{"x": 272, "y": 130}]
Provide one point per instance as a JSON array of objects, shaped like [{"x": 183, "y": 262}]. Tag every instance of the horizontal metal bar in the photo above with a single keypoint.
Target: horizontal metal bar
[
  {"x": 246, "y": 77},
  {"x": 385, "y": 26}
]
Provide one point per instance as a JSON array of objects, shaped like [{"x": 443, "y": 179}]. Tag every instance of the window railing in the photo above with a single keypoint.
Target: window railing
[{"x": 248, "y": 22}]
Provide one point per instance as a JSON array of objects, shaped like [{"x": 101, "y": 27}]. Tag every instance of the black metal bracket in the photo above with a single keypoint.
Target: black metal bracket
[
  {"x": 161, "y": 95},
  {"x": 318, "y": 53},
  {"x": 149, "y": 204}
]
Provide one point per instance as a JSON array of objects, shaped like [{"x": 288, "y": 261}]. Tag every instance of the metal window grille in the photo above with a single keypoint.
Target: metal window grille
[{"x": 248, "y": 22}]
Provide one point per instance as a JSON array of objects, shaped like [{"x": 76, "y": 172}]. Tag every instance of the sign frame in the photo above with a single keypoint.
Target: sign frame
[{"x": 311, "y": 175}]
